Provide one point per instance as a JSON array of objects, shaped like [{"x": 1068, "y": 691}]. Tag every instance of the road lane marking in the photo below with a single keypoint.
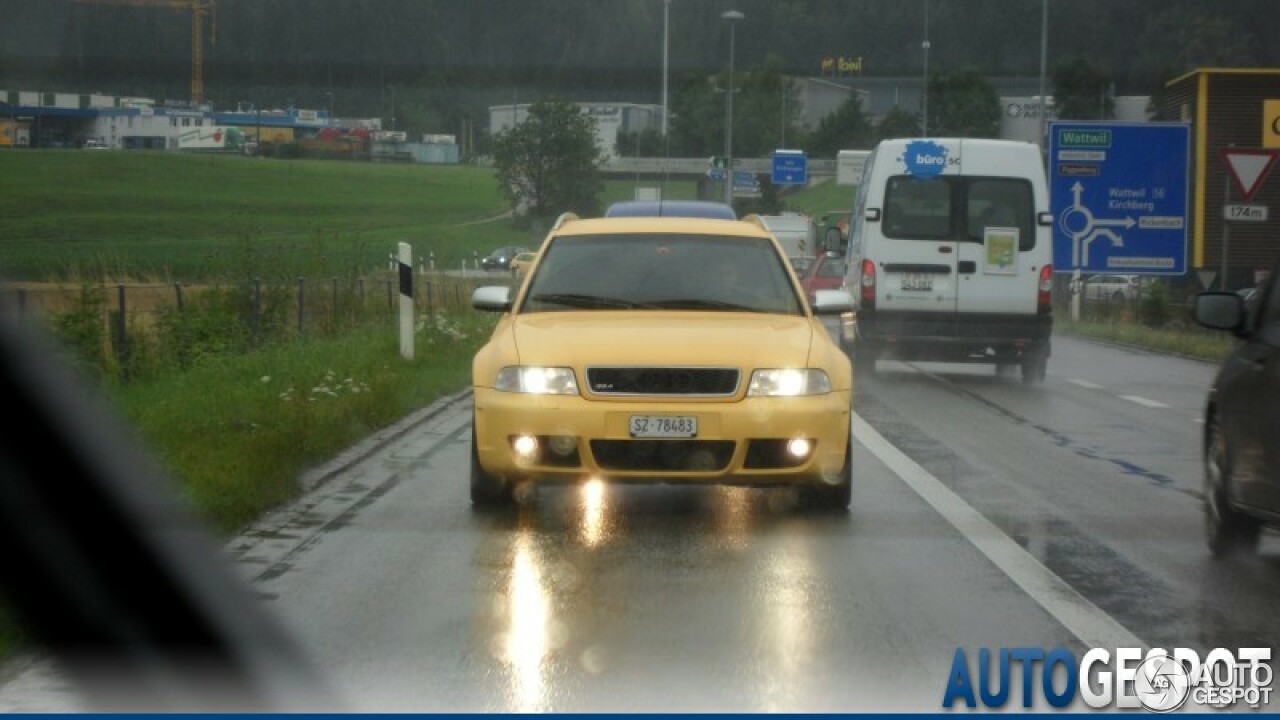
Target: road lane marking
[
  {"x": 1145, "y": 402},
  {"x": 1085, "y": 384},
  {"x": 1076, "y": 613}
]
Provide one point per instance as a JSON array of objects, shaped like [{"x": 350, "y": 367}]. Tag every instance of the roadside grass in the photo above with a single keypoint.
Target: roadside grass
[
  {"x": 823, "y": 197},
  {"x": 1190, "y": 342},
  {"x": 235, "y": 433},
  {"x": 176, "y": 216}
]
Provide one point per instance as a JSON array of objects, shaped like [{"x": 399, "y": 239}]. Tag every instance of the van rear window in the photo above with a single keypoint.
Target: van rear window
[{"x": 958, "y": 207}]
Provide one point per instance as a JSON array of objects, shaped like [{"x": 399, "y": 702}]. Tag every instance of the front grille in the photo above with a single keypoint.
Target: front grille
[
  {"x": 663, "y": 455},
  {"x": 662, "y": 381}
]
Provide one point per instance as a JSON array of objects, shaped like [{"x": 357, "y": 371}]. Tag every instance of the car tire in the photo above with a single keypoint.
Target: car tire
[
  {"x": 864, "y": 358},
  {"x": 1035, "y": 365},
  {"x": 487, "y": 489},
  {"x": 1226, "y": 530},
  {"x": 826, "y": 496}
]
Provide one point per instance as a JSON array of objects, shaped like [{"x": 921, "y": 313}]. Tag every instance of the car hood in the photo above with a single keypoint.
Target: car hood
[{"x": 578, "y": 339}]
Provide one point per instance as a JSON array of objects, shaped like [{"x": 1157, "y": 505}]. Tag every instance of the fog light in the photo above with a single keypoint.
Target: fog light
[
  {"x": 563, "y": 445},
  {"x": 799, "y": 447},
  {"x": 526, "y": 446}
]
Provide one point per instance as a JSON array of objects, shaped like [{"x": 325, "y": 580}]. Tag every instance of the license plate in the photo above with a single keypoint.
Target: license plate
[
  {"x": 663, "y": 426},
  {"x": 917, "y": 282}
]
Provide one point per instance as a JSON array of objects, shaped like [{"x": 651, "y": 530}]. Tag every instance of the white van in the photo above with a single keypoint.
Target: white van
[
  {"x": 950, "y": 255},
  {"x": 793, "y": 230}
]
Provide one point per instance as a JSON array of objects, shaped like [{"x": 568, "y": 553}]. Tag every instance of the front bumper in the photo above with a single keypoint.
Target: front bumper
[{"x": 739, "y": 441}]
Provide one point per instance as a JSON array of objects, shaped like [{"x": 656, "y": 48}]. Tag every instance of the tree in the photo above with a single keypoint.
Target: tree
[
  {"x": 897, "y": 123},
  {"x": 963, "y": 104},
  {"x": 549, "y": 163},
  {"x": 845, "y": 129},
  {"x": 1082, "y": 91}
]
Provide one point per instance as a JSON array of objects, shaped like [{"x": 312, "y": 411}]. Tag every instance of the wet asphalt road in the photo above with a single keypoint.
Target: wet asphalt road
[
  {"x": 986, "y": 514},
  {"x": 1088, "y": 533}
]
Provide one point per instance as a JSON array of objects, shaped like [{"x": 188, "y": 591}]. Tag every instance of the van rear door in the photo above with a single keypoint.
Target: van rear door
[
  {"x": 916, "y": 264},
  {"x": 997, "y": 272}
]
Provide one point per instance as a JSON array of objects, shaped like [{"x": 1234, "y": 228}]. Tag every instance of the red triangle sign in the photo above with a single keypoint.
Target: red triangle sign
[{"x": 1249, "y": 167}]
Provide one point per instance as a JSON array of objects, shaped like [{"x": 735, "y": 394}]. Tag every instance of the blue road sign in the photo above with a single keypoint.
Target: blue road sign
[
  {"x": 1118, "y": 192},
  {"x": 790, "y": 167},
  {"x": 744, "y": 178},
  {"x": 717, "y": 174}
]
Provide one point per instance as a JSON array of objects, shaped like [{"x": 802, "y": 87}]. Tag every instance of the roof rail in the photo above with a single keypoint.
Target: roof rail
[{"x": 563, "y": 219}]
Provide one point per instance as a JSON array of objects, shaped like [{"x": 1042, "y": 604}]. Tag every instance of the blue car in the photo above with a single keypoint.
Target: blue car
[{"x": 672, "y": 208}]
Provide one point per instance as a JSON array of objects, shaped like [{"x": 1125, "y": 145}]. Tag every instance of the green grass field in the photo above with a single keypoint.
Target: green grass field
[{"x": 173, "y": 216}]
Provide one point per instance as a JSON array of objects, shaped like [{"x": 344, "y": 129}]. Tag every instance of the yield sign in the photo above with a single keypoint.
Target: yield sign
[{"x": 1249, "y": 167}]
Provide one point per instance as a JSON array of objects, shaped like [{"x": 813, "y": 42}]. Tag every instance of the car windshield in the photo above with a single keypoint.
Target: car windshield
[{"x": 661, "y": 271}]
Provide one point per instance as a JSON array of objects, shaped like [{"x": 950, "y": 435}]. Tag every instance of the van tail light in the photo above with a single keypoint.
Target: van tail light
[
  {"x": 1044, "y": 289},
  {"x": 868, "y": 284}
]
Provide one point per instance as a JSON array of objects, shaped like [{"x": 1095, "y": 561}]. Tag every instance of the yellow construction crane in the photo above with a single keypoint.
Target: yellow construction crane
[{"x": 199, "y": 9}]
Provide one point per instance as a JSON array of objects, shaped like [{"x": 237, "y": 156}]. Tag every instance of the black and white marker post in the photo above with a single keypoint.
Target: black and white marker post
[{"x": 406, "y": 301}]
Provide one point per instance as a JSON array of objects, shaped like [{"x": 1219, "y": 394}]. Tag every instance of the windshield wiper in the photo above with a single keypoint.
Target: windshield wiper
[
  {"x": 578, "y": 300},
  {"x": 704, "y": 304}
]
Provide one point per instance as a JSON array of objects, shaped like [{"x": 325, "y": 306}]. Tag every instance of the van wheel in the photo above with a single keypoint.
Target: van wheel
[
  {"x": 1225, "y": 530},
  {"x": 1035, "y": 365},
  {"x": 487, "y": 489}
]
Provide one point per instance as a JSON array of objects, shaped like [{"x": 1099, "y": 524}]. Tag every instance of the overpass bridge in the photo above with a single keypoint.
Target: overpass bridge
[{"x": 619, "y": 168}]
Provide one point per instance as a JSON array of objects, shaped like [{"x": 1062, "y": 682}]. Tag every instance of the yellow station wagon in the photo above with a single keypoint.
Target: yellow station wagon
[{"x": 661, "y": 350}]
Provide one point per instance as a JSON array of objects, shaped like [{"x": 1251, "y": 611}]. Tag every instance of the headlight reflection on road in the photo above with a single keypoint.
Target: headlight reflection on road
[
  {"x": 530, "y": 635},
  {"x": 594, "y": 505},
  {"x": 789, "y": 626}
]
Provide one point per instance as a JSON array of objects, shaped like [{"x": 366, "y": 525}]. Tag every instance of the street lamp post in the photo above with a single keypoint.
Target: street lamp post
[
  {"x": 732, "y": 17},
  {"x": 666, "y": 47},
  {"x": 924, "y": 115}
]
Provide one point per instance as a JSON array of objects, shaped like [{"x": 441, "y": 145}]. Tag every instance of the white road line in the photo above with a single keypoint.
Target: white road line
[
  {"x": 1085, "y": 384},
  {"x": 1081, "y": 617},
  {"x": 1145, "y": 402}
]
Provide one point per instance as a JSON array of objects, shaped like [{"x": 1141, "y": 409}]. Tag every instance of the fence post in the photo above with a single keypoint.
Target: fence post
[
  {"x": 301, "y": 283},
  {"x": 432, "y": 256},
  {"x": 257, "y": 311},
  {"x": 406, "y": 301},
  {"x": 122, "y": 340},
  {"x": 177, "y": 291}
]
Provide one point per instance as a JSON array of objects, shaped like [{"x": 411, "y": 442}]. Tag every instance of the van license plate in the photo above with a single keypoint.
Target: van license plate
[
  {"x": 663, "y": 426},
  {"x": 917, "y": 282}
]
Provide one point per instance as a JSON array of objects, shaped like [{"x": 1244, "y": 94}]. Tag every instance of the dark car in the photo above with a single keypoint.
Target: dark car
[
  {"x": 1242, "y": 421},
  {"x": 672, "y": 208},
  {"x": 500, "y": 259}
]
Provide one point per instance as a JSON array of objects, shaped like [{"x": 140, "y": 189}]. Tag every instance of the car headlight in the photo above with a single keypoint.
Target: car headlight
[
  {"x": 788, "y": 382},
  {"x": 536, "y": 380}
]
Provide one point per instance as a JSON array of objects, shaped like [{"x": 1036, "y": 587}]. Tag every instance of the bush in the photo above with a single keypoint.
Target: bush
[{"x": 1154, "y": 308}]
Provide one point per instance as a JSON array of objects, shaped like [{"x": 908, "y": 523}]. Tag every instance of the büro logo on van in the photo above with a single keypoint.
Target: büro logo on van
[{"x": 924, "y": 158}]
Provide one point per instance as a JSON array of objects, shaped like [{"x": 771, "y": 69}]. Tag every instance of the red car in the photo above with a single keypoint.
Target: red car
[{"x": 826, "y": 272}]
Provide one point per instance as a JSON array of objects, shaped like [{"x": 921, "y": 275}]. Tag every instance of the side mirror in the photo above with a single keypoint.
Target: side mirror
[
  {"x": 492, "y": 298},
  {"x": 1220, "y": 311}
]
